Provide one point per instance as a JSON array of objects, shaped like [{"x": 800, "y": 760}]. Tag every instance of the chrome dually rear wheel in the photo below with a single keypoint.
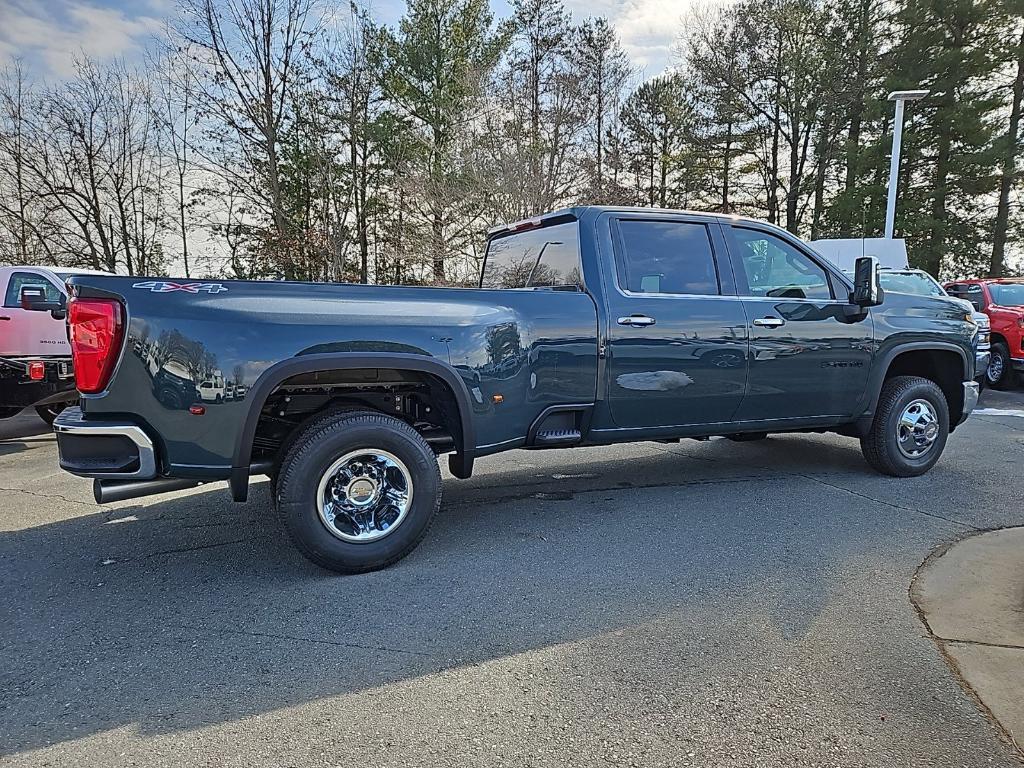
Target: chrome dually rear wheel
[
  {"x": 365, "y": 495},
  {"x": 357, "y": 490}
]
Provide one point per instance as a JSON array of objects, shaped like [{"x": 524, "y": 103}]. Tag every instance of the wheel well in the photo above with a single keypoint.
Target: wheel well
[
  {"x": 944, "y": 367},
  {"x": 424, "y": 401},
  {"x": 998, "y": 337}
]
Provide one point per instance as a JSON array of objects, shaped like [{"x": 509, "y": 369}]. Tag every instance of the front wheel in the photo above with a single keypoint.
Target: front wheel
[
  {"x": 1000, "y": 368},
  {"x": 358, "y": 490},
  {"x": 910, "y": 427}
]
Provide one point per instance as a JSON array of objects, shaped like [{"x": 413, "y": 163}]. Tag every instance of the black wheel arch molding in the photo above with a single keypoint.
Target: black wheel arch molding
[
  {"x": 883, "y": 361},
  {"x": 460, "y": 462}
]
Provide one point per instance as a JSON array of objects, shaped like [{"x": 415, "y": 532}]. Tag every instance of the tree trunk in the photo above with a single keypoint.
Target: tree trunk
[
  {"x": 274, "y": 185},
  {"x": 793, "y": 192},
  {"x": 823, "y": 153},
  {"x": 535, "y": 181},
  {"x": 773, "y": 166},
  {"x": 181, "y": 214},
  {"x": 857, "y": 107},
  {"x": 600, "y": 129},
  {"x": 937, "y": 236},
  {"x": 997, "y": 265},
  {"x": 437, "y": 228},
  {"x": 726, "y": 160},
  {"x": 663, "y": 181}
]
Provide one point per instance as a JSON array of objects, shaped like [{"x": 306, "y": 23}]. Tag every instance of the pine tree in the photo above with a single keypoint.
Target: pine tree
[
  {"x": 948, "y": 156},
  {"x": 657, "y": 122},
  {"x": 604, "y": 70},
  {"x": 435, "y": 68},
  {"x": 1009, "y": 148}
]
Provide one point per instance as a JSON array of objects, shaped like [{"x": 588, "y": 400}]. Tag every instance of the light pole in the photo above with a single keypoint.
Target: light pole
[{"x": 894, "y": 163}]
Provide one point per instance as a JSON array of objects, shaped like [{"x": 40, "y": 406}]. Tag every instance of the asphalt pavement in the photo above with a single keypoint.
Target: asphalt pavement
[{"x": 706, "y": 603}]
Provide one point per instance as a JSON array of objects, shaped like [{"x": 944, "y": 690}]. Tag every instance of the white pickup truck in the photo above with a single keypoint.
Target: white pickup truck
[{"x": 35, "y": 357}]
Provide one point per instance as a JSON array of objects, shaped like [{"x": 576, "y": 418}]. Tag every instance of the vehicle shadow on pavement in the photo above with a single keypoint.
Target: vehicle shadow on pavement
[
  {"x": 9, "y": 447},
  {"x": 180, "y": 613}
]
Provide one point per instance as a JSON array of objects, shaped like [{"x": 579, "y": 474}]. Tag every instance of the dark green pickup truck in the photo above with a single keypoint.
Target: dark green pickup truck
[{"x": 591, "y": 325}]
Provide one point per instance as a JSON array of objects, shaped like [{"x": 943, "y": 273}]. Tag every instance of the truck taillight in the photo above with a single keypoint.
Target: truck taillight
[{"x": 96, "y": 330}]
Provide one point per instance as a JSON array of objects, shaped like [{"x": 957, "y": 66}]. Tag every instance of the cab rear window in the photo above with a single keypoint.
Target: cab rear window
[{"x": 546, "y": 257}]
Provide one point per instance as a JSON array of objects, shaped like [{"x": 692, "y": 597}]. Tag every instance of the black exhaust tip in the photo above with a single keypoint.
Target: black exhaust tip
[{"x": 108, "y": 491}]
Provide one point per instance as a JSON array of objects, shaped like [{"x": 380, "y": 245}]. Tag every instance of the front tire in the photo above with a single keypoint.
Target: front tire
[
  {"x": 357, "y": 490},
  {"x": 1000, "y": 367},
  {"x": 909, "y": 429}
]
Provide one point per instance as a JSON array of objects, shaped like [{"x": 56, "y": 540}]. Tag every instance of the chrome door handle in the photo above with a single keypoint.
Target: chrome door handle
[
  {"x": 636, "y": 321},
  {"x": 769, "y": 322}
]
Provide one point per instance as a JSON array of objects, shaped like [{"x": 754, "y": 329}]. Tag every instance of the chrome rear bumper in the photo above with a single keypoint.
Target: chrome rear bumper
[{"x": 108, "y": 449}]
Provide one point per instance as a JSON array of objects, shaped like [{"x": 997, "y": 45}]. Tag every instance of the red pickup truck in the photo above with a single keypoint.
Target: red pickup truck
[{"x": 1002, "y": 299}]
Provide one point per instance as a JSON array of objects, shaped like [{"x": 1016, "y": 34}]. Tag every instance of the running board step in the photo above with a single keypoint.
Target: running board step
[{"x": 558, "y": 437}]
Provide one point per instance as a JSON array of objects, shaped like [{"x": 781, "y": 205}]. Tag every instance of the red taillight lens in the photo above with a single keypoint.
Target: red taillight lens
[
  {"x": 96, "y": 332},
  {"x": 37, "y": 370}
]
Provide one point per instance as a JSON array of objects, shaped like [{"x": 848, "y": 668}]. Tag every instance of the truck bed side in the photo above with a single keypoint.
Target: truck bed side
[{"x": 517, "y": 353}]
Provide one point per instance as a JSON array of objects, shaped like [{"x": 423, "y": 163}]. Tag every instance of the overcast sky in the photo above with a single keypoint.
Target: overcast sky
[{"x": 48, "y": 34}]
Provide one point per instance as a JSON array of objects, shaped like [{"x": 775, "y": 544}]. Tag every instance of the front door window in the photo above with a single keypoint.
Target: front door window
[{"x": 775, "y": 269}]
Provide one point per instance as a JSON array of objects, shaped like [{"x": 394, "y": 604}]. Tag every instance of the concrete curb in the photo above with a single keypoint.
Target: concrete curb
[{"x": 970, "y": 597}]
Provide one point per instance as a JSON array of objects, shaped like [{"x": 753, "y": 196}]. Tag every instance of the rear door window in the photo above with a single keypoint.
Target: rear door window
[
  {"x": 12, "y": 298},
  {"x": 545, "y": 257},
  {"x": 673, "y": 257}
]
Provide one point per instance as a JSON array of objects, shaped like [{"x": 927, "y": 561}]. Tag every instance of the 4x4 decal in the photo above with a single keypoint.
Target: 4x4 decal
[{"x": 159, "y": 286}]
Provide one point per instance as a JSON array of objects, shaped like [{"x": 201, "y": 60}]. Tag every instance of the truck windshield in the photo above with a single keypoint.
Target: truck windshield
[
  {"x": 1007, "y": 294},
  {"x": 913, "y": 283},
  {"x": 546, "y": 257}
]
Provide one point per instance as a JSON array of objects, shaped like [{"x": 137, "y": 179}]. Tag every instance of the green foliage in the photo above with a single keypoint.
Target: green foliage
[
  {"x": 435, "y": 69},
  {"x": 354, "y": 151}
]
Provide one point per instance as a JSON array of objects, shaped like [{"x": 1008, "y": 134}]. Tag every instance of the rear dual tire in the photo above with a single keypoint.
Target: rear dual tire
[{"x": 357, "y": 490}]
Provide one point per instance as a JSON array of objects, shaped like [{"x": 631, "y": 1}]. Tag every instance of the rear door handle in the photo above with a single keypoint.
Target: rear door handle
[
  {"x": 636, "y": 321},
  {"x": 4, "y": 317},
  {"x": 769, "y": 322}
]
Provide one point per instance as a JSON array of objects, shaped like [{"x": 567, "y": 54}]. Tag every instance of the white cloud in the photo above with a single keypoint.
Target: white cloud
[
  {"x": 50, "y": 36},
  {"x": 647, "y": 28}
]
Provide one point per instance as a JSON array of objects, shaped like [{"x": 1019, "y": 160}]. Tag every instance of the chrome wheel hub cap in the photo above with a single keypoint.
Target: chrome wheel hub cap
[
  {"x": 917, "y": 429},
  {"x": 364, "y": 495}
]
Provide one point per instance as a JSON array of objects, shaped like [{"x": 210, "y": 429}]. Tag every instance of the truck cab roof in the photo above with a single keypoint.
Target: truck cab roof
[{"x": 578, "y": 211}]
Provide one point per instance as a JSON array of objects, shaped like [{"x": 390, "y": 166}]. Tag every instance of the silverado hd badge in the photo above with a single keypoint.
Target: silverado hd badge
[{"x": 158, "y": 286}]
